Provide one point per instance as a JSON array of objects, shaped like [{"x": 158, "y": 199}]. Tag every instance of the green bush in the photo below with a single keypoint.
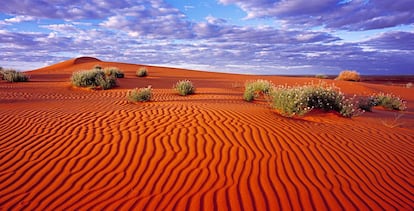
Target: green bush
[
  {"x": 140, "y": 95},
  {"x": 13, "y": 76},
  {"x": 114, "y": 71},
  {"x": 184, "y": 87},
  {"x": 142, "y": 72},
  {"x": 291, "y": 101},
  {"x": 93, "y": 79},
  {"x": 256, "y": 88},
  {"x": 390, "y": 101},
  {"x": 366, "y": 103}
]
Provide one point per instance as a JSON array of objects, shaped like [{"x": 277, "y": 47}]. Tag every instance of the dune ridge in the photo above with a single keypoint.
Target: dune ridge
[{"x": 74, "y": 149}]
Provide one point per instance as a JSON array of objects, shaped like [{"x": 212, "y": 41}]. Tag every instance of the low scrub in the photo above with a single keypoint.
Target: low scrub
[
  {"x": 142, "y": 72},
  {"x": 321, "y": 76},
  {"x": 387, "y": 101},
  {"x": 140, "y": 95},
  {"x": 184, "y": 87},
  {"x": 299, "y": 100},
  {"x": 257, "y": 88},
  {"x": 390, "y": 101},
  {"x": 94, "y": 78},
  {"x": 348, "y": 75},
  {"x": 13, "y": 76},
  {"x": 114, "y": 71}
]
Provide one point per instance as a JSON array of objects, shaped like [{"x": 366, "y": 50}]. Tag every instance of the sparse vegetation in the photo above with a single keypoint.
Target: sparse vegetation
[
  {"x": 321, "y": 76},
  {"x": 142, "y": 72},
  {"x": 390, "y": 101},
  {"x": 395, "y": 122},
  {"x": 140, "y": 95},
  {"x": 97, "y": 67},
  {"x": 348, "y": 75},
  {"x": 184, "y": 87},
  {"x": 256, "y": 88},
  {"x": 114, "y": 71},
  {"x": 299, "y": 100},
  {"x": 94, "y": 78},
  {"x": 13, "y": 76}
]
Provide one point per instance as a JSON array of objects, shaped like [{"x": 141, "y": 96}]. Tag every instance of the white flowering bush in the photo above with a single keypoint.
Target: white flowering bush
[
  {"x": 254, "y": 89},
  {"x": 390, "y": 101},
  {"x": 299, "y": 100}
]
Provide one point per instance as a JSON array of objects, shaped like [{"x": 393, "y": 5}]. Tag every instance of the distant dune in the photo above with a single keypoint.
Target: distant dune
[{"x": 63, "y": 148}]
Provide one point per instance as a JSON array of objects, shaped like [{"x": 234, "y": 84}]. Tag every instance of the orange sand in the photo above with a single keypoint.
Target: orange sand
[{"x": 63, "y": 148}]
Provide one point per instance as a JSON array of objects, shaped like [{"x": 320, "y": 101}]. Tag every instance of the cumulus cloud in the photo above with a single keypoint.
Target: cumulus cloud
[
  {"x": 335, "y": 14},
  {"x": 64, "y": 9},
  {"x": 155, "y": 19}
]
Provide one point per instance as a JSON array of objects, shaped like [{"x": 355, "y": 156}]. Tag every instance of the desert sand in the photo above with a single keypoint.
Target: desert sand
[{"x": 66, "y": 148}]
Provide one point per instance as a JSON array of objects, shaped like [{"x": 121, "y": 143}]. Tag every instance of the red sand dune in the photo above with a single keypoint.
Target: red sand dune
[{"x": 63, "y": 148}]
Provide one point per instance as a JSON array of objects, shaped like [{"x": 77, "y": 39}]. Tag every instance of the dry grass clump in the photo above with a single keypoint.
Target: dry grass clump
[
  {"x": 95, "y": 78},
  {"x": 142, "y": 72},
  {"x": 13, "y": 75},
  {"x": 140, "y": 95},
  {"x": 184, "y": 87},
  {"x": 348, "y": 75},
  {"x": 254, "y": 89},
  {"x": 114, "y": 71},
  {"x": 299, "y": 100}
]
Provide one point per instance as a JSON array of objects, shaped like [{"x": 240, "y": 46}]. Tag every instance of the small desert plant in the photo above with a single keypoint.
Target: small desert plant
[
  {"x": 97, "y": 67},
  {"x": 390, "y": 101},
  {"x": 409, "y": 85},
  {"x": 256, "y": 88},
  {"x": 184, "y": 87},
  {"x": 321, "y": 76},
  {"x": 366, "y": 103},
  {"x": 140, "y": 95},
  {"x": 348, "y": 75},
  {"x": 142, "y": 72},
  {"x": 299, "y": 100},
  {"x": 13, "y": 76},
  {"x": 114, "y": 71},
  {"x": 92, "y": 79},
  {"x": 395, "y": 122}
]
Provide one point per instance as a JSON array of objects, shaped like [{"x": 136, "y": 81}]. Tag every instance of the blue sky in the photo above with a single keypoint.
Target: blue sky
[{"x": 239, "y": 36}]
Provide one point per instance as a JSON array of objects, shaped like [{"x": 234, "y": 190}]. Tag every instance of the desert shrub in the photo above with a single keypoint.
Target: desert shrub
[
  {"x": 140, "y": 95},
  {"x": 13, "y": 76},
  {"x": 321, "y": 76},
  {"x": 97, "y": 67},
  {"x": 348, "y": 75},
  {"x": 114, "y": 71},
  {"x": 390, "y": 101},
  {"x": 409, "y": 85},
  {"x": 142, "y": 72},
  {"x": 256, "y": 88},
  {"x": 184, "y": 87},
  {"x": 366, "y": 103},
  {"x": 299, "y": 100},
  {"x": 93, "y": 79}
]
